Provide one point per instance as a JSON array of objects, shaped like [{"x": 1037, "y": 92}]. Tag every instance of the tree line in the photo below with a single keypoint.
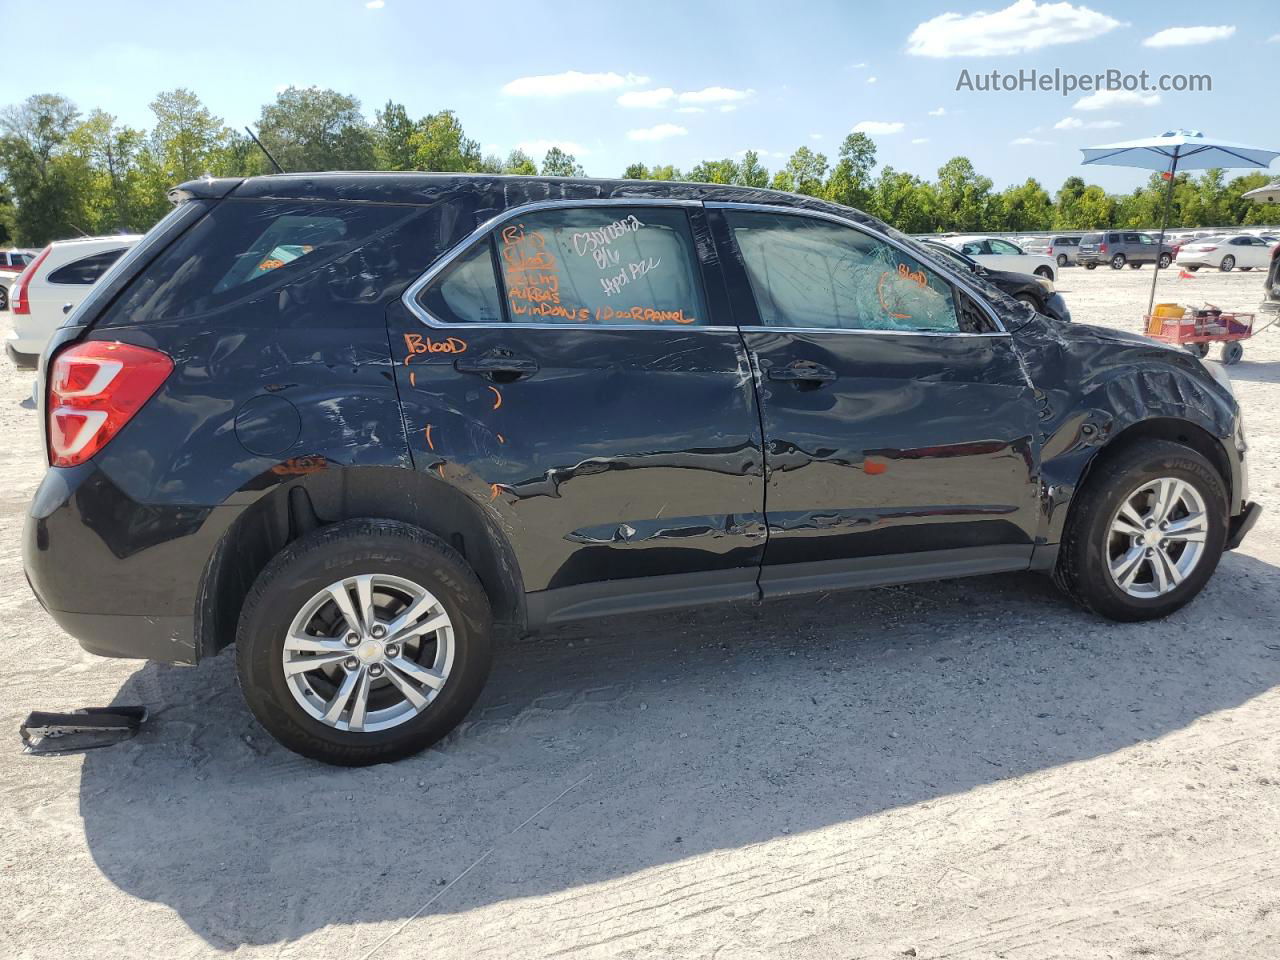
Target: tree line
[{"x": 67, "y": 173}]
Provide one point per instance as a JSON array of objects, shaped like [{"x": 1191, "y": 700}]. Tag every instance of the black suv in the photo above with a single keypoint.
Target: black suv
[
  {"x": 354, "y": 423},
  {"x": 1123, "y": 247}
]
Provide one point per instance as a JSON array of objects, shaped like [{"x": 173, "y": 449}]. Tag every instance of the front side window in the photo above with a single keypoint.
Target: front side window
[
  {"x": 975, "y": 248},
  {"x": 807, "y": 272},
  {"x": 86, "y": 270},
  {"x": 1004, "y": 247}
]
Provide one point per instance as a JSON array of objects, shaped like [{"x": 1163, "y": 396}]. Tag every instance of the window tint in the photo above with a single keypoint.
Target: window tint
[
  {"x": 1094, "y": 238},
  {"x": 1004, "y": 247},
  {"x": 973, "y": 248},
  {"x": 622, "y": 265},
  {"x": 338, "y": 260},
  {"x": 467, "y": 291},
  {"x": 807, "y": 272},
  {"x": 86, "y": 269}
]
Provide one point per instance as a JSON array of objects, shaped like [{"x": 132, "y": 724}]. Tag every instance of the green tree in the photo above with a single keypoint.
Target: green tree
[
  {"x": 715, "y": 171},
  {"x": 1094, "y": 210},
  {"x": 807, "y": 171},
  {"x": 312, "y": 129},
  {"x": 392, "y": 133},
  {"x": 666, "y": 172},
  {"x": 439, "y": 143},
  {"x": 1065, "y": 201},
  {"x": 519, "y": 162},
  {"x": 963, "y": 196},
  {"x": 557, "y": 163},
  {"x": 750, "y": 172},
  {"x": 636, "y": 171},
  {"x": 1023, "y": 207},
  {"x": 850, "y": 182},
  {"x": 110, "y": 154},
  {"x": 783, "y": 180},
  {"x": 46, "y": 190},
  {"x": 903, "y": 201}
]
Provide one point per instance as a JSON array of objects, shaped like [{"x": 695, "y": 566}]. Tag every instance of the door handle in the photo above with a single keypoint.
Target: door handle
[
  {"x": 803, "y": 372},
  {"x": 500, "y": 369}
]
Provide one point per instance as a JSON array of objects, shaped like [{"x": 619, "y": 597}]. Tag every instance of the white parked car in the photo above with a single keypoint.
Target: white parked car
[
  {"x": 12, "y": 263},
  {"x": 999, "y": 254},
  {"x": 54, "y": 282},
  {"x": 1226, "y": 252}
]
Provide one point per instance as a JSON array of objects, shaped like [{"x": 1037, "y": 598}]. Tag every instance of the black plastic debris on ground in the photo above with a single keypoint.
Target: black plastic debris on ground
[{"x": 85, "y": 729}]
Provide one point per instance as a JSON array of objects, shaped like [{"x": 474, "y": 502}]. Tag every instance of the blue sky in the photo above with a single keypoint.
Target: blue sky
[{"x": 682, "y": 82}]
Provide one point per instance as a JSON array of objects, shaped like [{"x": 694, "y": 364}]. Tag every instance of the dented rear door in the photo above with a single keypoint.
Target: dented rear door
[{"x": 572, "y": 371}]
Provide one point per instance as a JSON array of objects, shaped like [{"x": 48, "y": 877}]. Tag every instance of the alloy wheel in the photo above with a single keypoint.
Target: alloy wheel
[
  {"x": 368, "y": 653},
  {"x": 1157, "y": 537}
]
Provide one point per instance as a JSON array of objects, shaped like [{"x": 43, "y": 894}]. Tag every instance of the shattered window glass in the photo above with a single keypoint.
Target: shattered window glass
[{"x": 814, "y": 273}]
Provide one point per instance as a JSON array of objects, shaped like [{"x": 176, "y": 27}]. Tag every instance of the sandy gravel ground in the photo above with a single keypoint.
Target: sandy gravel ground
[{"x": 971, "y": 769}]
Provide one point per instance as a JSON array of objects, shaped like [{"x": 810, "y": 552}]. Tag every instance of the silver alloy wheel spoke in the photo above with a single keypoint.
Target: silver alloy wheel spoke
[
  {"x": 1129, "y": 521},
  {"x": 1190, "y": 528},
  {"x": 333, "y": 710},
  {"x": 1126, "y": 568},
  {"x": 428, "y": 678},
  {"x": 368, "y": 652},
  {"x": 1167, "y": 493},
  {"x": 304, "y": 664}
]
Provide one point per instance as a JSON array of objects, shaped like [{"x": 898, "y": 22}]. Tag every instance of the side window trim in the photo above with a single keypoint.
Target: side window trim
[
  {"x": 484, "y": 233},
  {"x": 947, "y": 275}
]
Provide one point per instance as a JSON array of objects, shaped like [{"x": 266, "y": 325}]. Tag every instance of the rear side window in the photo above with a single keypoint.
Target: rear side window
[
  {"x": 338, "y": 261},
  {"x": 578, "y": 265},
  {"x": 87, "y": 269},
  {"x": 813, "y": 273},
  {"x": 1094, "y": 238}
]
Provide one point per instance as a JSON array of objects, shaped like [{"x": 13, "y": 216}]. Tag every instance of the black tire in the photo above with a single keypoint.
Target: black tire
[
  {"x": 1245, "y": 269},
  {"x": 1164, "y": 261},
  {"x": 1118, "y": 261},
  {"x": 1062, "y": 260},
  {"x": 1083, "y": 562},
  {"x": 1044, "y": 272},
  {"x": 1091, "y": 266},
  {"x": 4, "y": 298},
  {"x": 1232, "y": 352},
  {"x": 1030, "y": 301},
  {"x": 307, "y": 566},
  {"x": 1135, "y": 266},
  {"x": 1227, "y": 264},
  {"x": 1194, "y": 268},
  {"x": 1200, "y": 350}
]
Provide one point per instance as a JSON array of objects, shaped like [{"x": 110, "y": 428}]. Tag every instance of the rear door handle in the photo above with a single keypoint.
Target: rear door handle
[
  {"x": 803, "y": 372},
  {"x": 498, "y": 368}
]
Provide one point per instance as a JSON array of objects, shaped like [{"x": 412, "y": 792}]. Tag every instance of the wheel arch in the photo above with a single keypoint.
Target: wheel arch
[{"x": 295, "y": 508}]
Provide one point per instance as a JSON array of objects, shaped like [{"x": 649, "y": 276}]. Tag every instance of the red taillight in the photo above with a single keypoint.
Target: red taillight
[
  {"x": 1102, "y": 248},
  {"x": 18, "y": 301},
  {"x": 1207, "y": 249},
  {"x": 95, "y": 388}
]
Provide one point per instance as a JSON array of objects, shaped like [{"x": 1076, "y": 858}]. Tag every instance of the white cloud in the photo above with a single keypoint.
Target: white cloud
[
  {"x": 1029, "y": 142},
  {"x": 920, "y": 140},
  {"x": 872, "y": 79},
  {"x": 1187, "y": 36},
  {"x": 571, "y": 81},
  {"x": 538, "y": 147},
  {"x": 660, "y": 132},
  {"x": 1105, "y": 99},
  {"x": 728, "y": 107},
  {"x": 375, "y": 4},
  {"x": 1274, "y": 39},
  {"x": 815, "y": 136},
  {"x": 940, "y": 112},
  {"x": 714, "y": 95},
  {"x": 691, "y": 110},
  {"x": 1075, "y": 123},
  {"x": 858, "y": 66},
  {"x": 647, "y": 98},
  {"x": 878, "y": 127},
  {"x": 1019, "y": 28}
]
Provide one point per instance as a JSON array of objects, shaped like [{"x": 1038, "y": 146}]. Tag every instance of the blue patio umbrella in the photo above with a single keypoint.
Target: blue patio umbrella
[{"x": 1173, "y": 151}]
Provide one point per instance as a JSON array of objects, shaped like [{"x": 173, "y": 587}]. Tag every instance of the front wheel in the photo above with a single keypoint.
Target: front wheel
[
  {"x": 1091, "y": 266},
  {"x": 1146, "y": 533},
  {"x": 363, "y": 642},
  {"x": 1044, "y": 272},
  {"x": 1164, "y": 261},
  {"x": 1135, "y": 266},
  {"x": 1118, "y": 261},
  {"x": 4, "y": 298},
  {"x": 1062, "y": 260},
  {"x": 1228, "y": 264}
]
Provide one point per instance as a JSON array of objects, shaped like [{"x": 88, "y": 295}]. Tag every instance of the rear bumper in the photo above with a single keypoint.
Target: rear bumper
[
  {"x": 1239, "y": 526},
  {"x": 123, "y": 578}
]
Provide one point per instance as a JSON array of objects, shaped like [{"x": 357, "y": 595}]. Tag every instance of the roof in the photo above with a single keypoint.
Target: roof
[
  {"x": 118, "y": 237},
  {"x": 489, "y": 193}
]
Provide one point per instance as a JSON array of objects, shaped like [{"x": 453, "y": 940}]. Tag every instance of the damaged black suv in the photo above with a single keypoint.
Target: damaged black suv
[{"x": 355, "y": 423}]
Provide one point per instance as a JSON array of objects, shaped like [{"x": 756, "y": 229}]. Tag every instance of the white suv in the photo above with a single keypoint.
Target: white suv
[
  {"x": 997, "y": 254},
  {"x": 54, "y": 282}
]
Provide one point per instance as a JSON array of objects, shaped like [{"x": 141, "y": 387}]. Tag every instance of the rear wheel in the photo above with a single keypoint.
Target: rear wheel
[
  {"x": 1135, "y": 266},
  {"x": 4, "y": 298},
  {"x": 1091, "y": 266},
  {"x": 1146, "y": 534},
  {"x": 1044, "y": 272},
  {"x": 1228, "y": 264},
  {"x": 1118, "y": 261},
  {"x": 363, "y": 642},
  {"x": 1062, "y": 260}
]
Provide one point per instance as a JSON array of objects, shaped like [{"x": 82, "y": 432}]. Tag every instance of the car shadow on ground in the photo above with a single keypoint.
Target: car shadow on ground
[
  {"x": 1255, "y": 371},
  {"x": 697, "y": 731}
]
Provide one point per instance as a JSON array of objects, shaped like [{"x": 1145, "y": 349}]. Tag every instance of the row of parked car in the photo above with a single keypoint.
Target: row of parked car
[{"x": 1224, "y": 250}]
